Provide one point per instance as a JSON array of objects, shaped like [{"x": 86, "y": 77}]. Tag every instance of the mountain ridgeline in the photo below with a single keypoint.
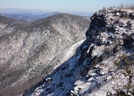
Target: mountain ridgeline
[
  {"x": 28, "y": 16},
  {"x": 33, "y": 15},
  {"x": 29, "y": 51},
  {"x": 8, "y": 25},
  {"x": 103, "y": 65}
]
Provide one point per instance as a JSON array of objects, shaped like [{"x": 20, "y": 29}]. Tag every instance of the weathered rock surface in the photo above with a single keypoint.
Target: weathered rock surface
[
  {"x": 103, "y": 64},
  {"x": 29, "y": 51}
]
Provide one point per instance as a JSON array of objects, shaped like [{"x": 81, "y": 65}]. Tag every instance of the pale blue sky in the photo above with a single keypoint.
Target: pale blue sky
[{"x": 63, "y": 5}]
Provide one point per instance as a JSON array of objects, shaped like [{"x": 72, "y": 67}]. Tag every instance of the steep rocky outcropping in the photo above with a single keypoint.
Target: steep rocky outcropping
[{"x": 103, "y": 64}]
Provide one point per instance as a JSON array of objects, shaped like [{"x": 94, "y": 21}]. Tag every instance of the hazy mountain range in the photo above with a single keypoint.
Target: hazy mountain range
[{"x": 33, "y": 14}]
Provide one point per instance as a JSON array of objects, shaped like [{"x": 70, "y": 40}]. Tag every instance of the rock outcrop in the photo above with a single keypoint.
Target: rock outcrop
[{"x": 103, "y": 64}]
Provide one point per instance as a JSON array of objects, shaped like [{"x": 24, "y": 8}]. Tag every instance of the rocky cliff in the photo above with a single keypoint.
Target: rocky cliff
[
  {"x": 29, "y": 51},
  {"x": 103, "y": 64}
]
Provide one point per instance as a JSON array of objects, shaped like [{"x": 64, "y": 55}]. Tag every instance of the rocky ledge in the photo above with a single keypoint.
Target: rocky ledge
[{"x": 103, "y": 64}]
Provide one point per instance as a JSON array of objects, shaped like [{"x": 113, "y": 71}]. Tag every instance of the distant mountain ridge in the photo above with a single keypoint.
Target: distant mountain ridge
[
  {"x": 18, "y": 10},
  {"x": 33, "y": 14},
  {"x": 31, "y": 17}
]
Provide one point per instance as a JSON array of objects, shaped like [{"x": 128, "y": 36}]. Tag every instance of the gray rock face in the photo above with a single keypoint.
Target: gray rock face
[
  {"x": 102, "y": 64},
  {"x": 30, "y": 51}
]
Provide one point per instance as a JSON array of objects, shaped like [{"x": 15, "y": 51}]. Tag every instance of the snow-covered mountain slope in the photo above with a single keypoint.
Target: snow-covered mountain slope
[
  {"x": 8, "y": 25},
  {"x": 30, "y": 51},
  {"x": 103, "y": 65}
]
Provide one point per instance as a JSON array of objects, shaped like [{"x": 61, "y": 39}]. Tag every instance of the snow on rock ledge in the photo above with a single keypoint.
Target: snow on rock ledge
[{"x": 93, "y": 70}]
